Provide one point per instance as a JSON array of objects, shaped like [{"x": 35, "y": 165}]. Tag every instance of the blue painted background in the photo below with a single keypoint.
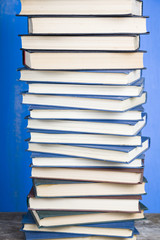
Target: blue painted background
[{"x": 14, "y": 164}]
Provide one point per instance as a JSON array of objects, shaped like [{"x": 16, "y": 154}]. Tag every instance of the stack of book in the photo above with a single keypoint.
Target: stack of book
[{"x": 83, "y": 68}]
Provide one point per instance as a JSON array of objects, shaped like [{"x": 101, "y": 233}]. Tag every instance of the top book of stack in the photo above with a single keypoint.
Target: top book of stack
[{"x": 82, "y": 7}]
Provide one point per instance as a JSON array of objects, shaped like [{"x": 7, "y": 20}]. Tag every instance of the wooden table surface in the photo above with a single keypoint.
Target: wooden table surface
[{"x": 10, "y": 223}]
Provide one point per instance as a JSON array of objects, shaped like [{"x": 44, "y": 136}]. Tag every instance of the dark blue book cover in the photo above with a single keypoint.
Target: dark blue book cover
[
  {"x": 34, "y": 107},
  {"x": 125, "y": 149},
  {"x": 125, "y": 71},
  {"x": 38, "y": 181},
  {"x": 138, "y": 83},
  {"x": 127, "y": 122},
  {"x": 28, "y": 219},
  {"x": 114, "y": 98},
  {"x": 55, "y": 235}
]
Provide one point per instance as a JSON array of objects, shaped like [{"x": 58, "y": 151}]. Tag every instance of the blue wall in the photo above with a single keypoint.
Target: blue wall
[{"x": 15, "y": 182}]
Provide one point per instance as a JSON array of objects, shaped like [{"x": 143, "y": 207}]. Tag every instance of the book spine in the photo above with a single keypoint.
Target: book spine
[{"x": 23, "y": 58}]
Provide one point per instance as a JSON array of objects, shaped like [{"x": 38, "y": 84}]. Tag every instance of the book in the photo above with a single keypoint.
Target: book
[
  {"x": 117, "y": 104},
  {"x": 44, "y": 236},
  {"x": 86, "y": 60},
  {"x": 93, "y": 204},
  {"x": 66, "y": 218},
  {"x": 112, "y": 175},
  {"x": 114, "y": 77},
  {"x": 86, "y": 25},
  {"x": 121, "y": 154},
  {"x": 114, "y": 229},
  {"x": 134, "y": 90},
  {"x": 113, "y": 127},
  {"x": 46, "y": 160},
  {"x": 61, "y": 188},
  {"x": 59, "y": 42},
  {"x": 42, "y": 136},
  {"x": 99, "y": 152},
  {"x": 101, "y": 7},
  {"x": 48, "y": 112}
]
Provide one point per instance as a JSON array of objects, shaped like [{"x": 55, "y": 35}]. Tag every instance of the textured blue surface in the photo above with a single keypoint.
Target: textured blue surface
[
  {"x": 14, "y": 176},
  {"x": 15, "y": 182}
]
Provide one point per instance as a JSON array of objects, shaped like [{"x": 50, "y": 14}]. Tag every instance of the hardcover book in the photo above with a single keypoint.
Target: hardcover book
[
  {"x": 87, "y": 25},
  {"x": 128, "y": 204},
  {"x": 114, "y": 77},
  {"x": 61, "y": 188},
  {"x": 89, "y": 60},
  {"x": 78, "y": 7},
  {"x": 105, "y": 103},
  {"x": 48, "y": 112},
  {"x": 54, "y": 161},
  {"x": 64, "y": 42},
  {"x": 112, "y": 175},
  {"x": 66, "y": 218},
  {"x": 98, "y": 152},
  {"x": 133, "y": 90}
]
